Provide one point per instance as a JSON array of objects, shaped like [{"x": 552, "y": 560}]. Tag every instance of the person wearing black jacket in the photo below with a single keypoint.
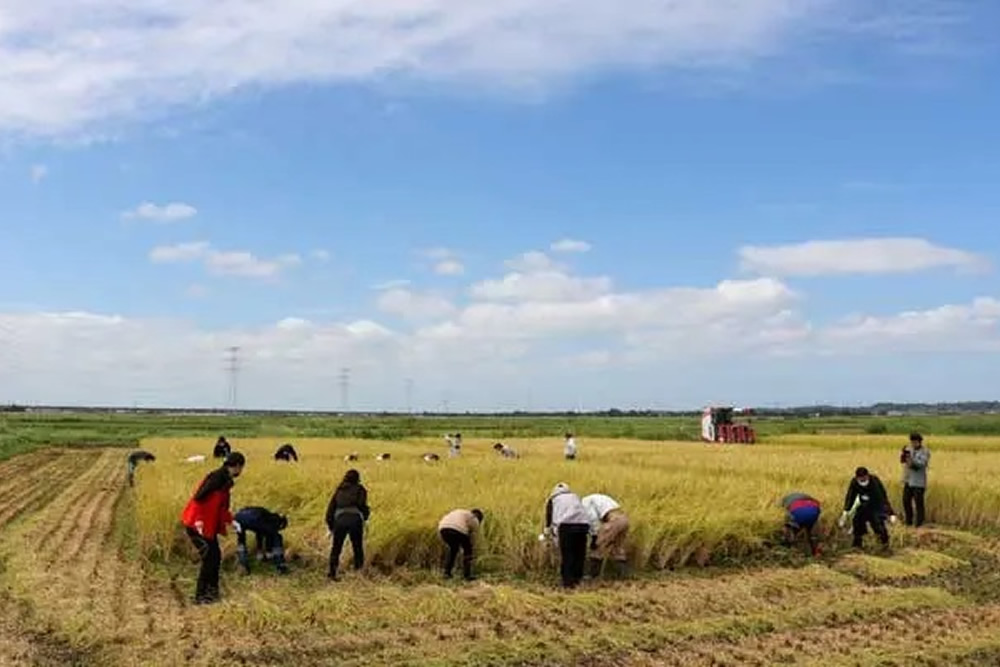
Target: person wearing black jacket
[
  {"x": 286, "y": 453},
  {"x": 345, "y": 517},
  {"x": 873, "y": 507},
  {"x": 222, "y": 448},
  {"x": 266, "y": 527},
  {"x": 134, "y": 459}
]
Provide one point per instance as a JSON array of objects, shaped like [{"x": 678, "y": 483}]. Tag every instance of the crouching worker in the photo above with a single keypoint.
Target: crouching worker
[
  {"x": 133, "y": 462},
  {"x": 608, "y": 532},
  {"x": 458, "y": 528},
  {"x": 221, "y": 449},
  {"x": 867, "y": 504},
  {"x": 266, "y": 527},
  {"x": 286, "y": 453},
  {"x": 802, "y": 514},
  {"x": 345, "y": 517},
  {"x": 506, "y": 451},
  {"x": 205, "y": 518},
  {"x": 566, "y": 520}
]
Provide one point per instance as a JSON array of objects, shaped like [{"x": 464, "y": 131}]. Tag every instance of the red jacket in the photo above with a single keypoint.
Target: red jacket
[{"x": 210, "y": 505}]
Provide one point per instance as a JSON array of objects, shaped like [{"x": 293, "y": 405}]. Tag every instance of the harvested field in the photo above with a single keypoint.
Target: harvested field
[{"x": 92, "y": 575}]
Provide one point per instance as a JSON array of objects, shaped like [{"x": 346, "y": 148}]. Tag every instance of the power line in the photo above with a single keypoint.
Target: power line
[{"x": 233, "y": 368}]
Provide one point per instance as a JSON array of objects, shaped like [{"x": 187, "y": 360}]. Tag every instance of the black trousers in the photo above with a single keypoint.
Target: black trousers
[
  {"x": 862, "y": 520},
  {"x": 913, "y": 495},
  {"x": 211, "y": 558},
  {"x": 457, "y": 541},
  {"x": 573, "y": 552},
  {"x": 344, "y": 526}
]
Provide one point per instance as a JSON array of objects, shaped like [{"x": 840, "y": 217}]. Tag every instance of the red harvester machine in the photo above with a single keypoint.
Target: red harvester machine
[{"x": 718, "y": 425}]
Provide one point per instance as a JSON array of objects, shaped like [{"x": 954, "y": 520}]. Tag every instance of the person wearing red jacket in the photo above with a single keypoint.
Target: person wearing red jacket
[{"x": 205, "y": 517}]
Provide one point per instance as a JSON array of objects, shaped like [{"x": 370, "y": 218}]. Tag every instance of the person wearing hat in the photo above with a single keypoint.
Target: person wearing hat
[
  {"x": 567, "y": 520},
  {"x": 915, "y": 459},
  {"x": 205, "y": 517},
  {"x": 266, "y": 527},
  {"x": 867, "y": 499}
]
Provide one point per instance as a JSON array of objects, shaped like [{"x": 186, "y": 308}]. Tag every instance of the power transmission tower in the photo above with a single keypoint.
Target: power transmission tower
[
  {"x": 344, "y": 380},
  {"x": 409, "y": 395},
  {"x": 233, "y": 368}
]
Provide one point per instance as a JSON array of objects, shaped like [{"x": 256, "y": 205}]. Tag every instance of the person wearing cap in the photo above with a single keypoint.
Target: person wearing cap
[
  {"x": 801, "y": 515},
  {"x": 205, "y": 517},
  {"x": 915, "y": 458},
  {"x": 266, "y": 527},
  {"x": 608, "y": 532},
  {"x": 134, "y": 459},
  {"x": 345, "y": 517},
  {"x": 567, "y": 520},
  {"x": 458, "y": 528},
  {"x": 867, "y": 499}
]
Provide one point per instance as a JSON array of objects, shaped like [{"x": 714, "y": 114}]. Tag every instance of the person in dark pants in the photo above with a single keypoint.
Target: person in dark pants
[
  {"x": 867, "y": 499},
  {"x": 345, "y": 517},
  {"x": 802, "y": 512},
  {"x": 222, "y": 448},
  {"x": 567, "y": 520},
  {"x": 915, "y": 459},
  {"x": 286, "y": 453},
  {"x": 458, "y": 528},
  {"x": 266, "y": 527},
  {"x": 134, "y": 459},
  {"x": 205, "y": 517}
]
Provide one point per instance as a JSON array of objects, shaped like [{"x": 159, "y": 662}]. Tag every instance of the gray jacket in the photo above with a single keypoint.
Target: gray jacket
[{"x": 915, "y": 470}]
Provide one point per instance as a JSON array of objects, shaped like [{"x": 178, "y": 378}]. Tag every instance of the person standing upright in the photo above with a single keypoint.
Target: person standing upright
[
  {"x": 915, "y": 459},
  {"x": 205, "y": 517},
  {"x": 569, "y": 449}
]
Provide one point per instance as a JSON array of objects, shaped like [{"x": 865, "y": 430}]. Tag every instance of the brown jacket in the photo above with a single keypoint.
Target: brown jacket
[{"x": 463, "y": 521}]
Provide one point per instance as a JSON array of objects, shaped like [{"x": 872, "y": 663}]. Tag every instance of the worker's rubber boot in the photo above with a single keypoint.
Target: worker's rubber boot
[
  {"x": 278, "y": 558},
  {"x": 243, "y": 558},
  {"x": 594, "y": 567}
]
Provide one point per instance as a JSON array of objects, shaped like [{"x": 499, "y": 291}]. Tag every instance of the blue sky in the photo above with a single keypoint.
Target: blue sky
[{"x": 594, "y": 209}]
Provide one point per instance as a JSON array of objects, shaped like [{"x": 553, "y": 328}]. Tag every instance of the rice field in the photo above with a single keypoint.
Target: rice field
[{"x": 95, "y": 573}]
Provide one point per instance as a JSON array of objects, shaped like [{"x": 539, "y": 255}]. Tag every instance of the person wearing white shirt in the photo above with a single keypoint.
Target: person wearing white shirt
[
  {"x": 570, "y": 448},
  {"x": 608, "y": 532},
  {"x": 567, "y": 521}
]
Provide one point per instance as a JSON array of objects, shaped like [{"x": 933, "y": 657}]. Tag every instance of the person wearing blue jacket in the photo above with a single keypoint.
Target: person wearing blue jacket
[{"x": 266, "y": 527}]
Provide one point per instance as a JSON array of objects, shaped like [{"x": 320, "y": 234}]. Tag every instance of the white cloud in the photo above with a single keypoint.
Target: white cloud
[
  {"x": 38, "y": 173},
  {"x": 540, "y": 286},
  {"x": 570, "y": 246},
  {"x": 412, "y": 305},
  {"x": 439, "y": 253},
  {"x": 857, "y": 256},
  {"x": 77, "y": 65},
  {"x": 196, "y": 291},
  {"x": 239, "y": 263},
  {"x": 172, "y": 212},
  {"x": 956, "y": 326},
  {"x": 449, "y": 267},
  {"x": 391, "y": 284},
  {"x": 179, "y": 252},
  {"x": 321, "y": 255},
  {"x": 533, "y": 261}
]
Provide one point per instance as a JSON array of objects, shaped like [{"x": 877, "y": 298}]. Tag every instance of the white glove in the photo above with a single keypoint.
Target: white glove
[
  {"x": 237, "y": 527},
  {"x": 541, "y": 537},
  {"x": 893, "y": 519},
  {"x": 200, "y": 527},
  {"x": 842, "y": 521}
]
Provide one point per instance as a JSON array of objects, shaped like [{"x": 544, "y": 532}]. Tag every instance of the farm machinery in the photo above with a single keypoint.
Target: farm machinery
[{"x": 718, "y": 424}]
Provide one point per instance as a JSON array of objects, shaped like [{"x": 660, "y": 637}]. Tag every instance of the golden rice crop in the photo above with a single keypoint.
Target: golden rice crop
[{"x": 686, "y": 501}]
